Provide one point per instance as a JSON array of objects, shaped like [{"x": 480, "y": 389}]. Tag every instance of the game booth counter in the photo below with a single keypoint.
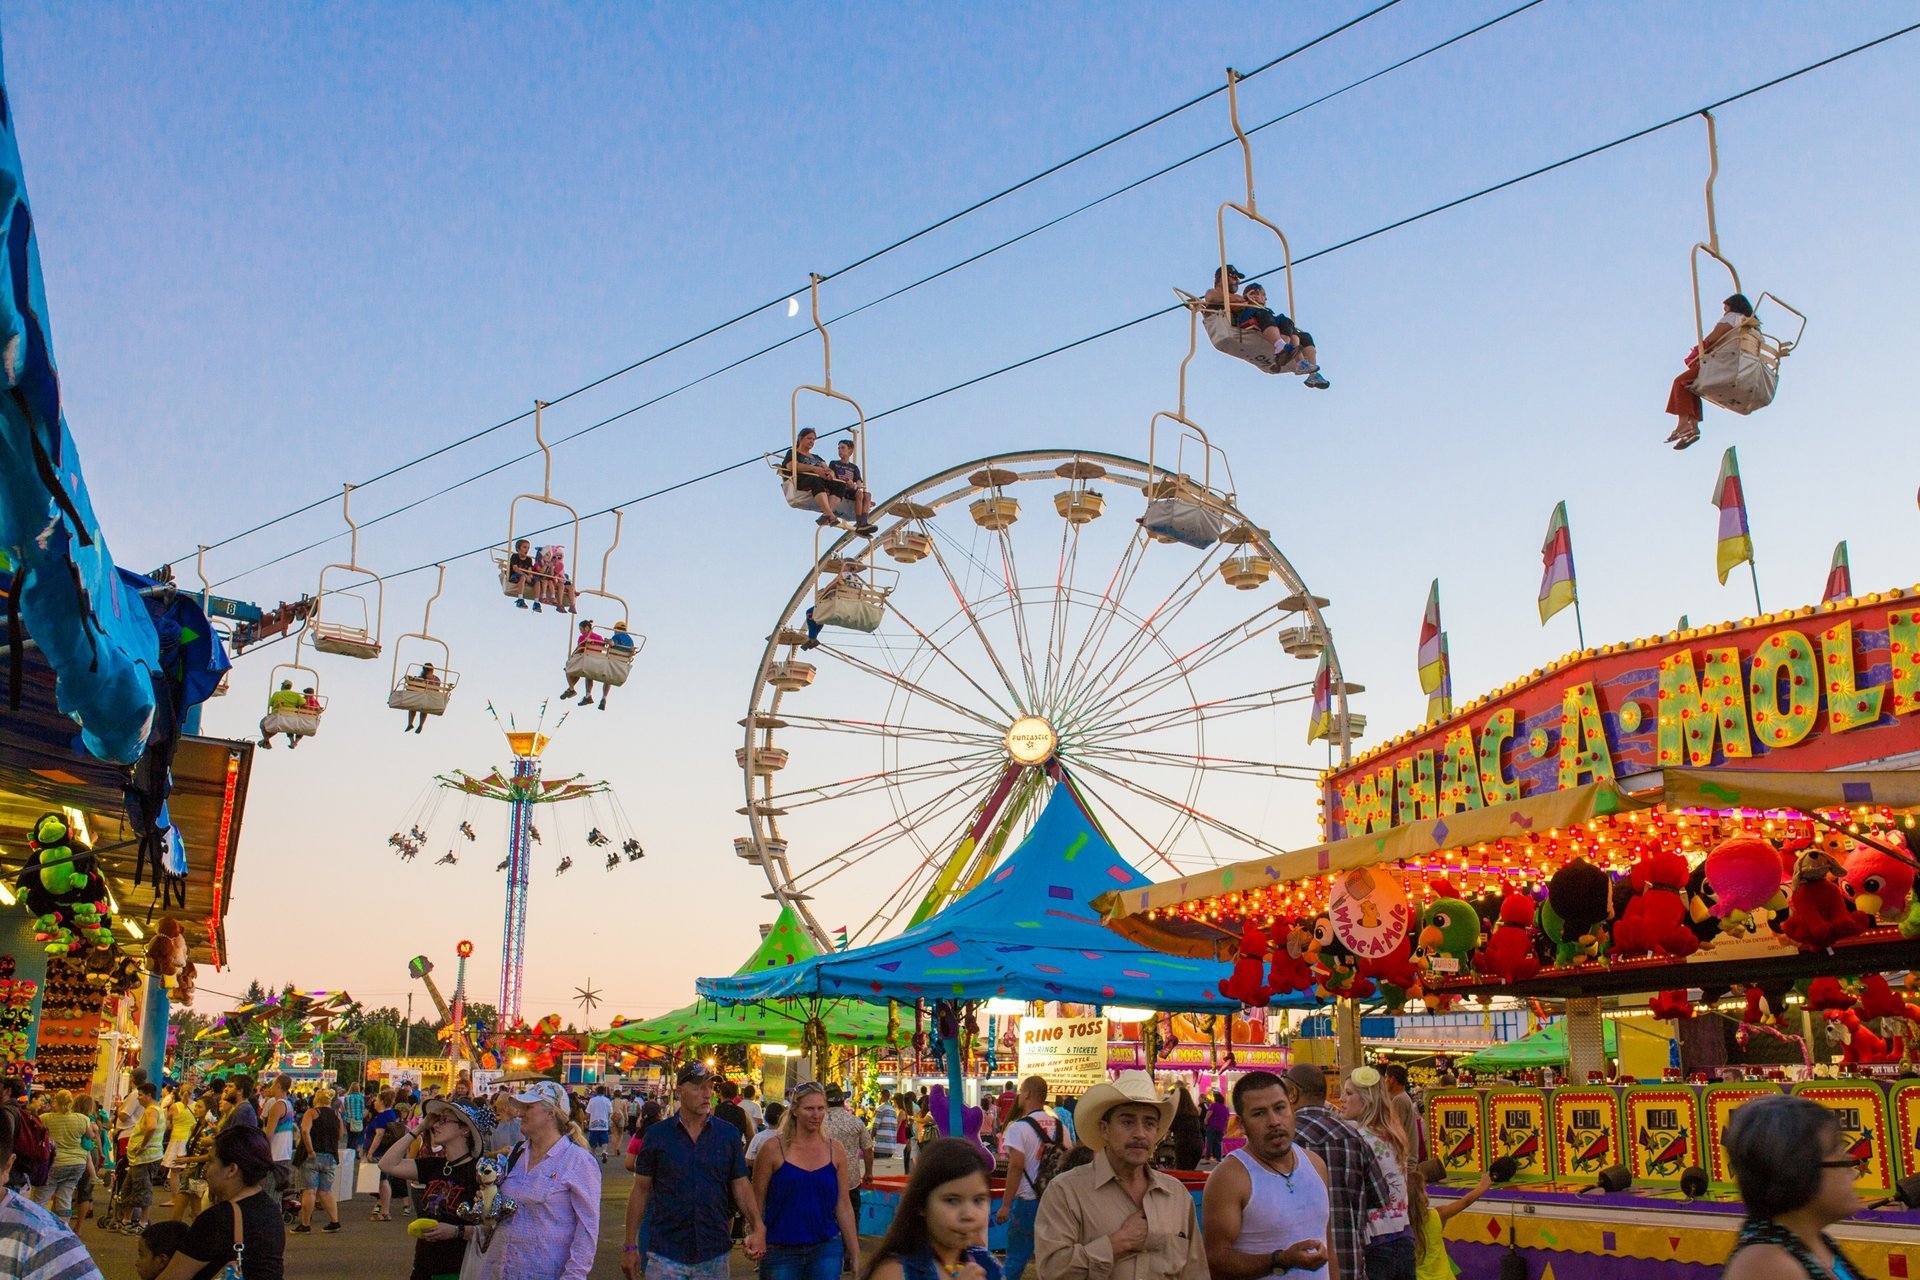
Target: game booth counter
[{"x": 1644, "y": 830}]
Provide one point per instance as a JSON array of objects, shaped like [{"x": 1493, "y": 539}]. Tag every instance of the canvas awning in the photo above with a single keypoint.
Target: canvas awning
[{"x": 1546, "y": 1047}]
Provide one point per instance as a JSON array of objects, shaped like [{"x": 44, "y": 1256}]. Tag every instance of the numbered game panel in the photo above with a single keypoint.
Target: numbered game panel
[
  {"x": 1586, "y": 1132},
  {"x": 1663, "y": 1131},
  {"x": 1457, "y": 1131},
  {"x": 1517, "y": 1126},
  {"x": 1862, "y": 1108}
]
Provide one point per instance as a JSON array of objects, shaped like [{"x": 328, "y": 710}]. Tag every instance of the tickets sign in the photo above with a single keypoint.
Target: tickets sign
[{"x": 1070, "y": 1054}]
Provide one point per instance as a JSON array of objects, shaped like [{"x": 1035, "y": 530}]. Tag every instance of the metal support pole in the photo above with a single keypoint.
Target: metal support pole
[
  {"x": 1586, "y": 1040},
  {"x": 1346, "y": 1033},
  {"x": 513, "y": 956}
]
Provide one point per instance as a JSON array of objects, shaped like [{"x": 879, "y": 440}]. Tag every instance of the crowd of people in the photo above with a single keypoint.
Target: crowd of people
[{"x": 1324, "y": 1182}]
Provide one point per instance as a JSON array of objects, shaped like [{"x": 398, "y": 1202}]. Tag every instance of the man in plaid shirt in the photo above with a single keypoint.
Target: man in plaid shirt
[{"x": 1355, "y": 1181}]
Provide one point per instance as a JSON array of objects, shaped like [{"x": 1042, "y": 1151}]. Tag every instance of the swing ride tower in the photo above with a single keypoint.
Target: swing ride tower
[{"x": 521, "y": 788}]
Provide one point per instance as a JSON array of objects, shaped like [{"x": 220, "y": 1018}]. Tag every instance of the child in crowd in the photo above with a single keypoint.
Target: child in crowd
[
  {"x": 942, "y": 1219},
  {"x": 1430, "y": 1225},
  {"x": 159, "y": 1241}
]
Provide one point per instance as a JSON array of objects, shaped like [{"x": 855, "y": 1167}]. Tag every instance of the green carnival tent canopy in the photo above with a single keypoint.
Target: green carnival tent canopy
[
  {"x": 1546, "y": 1047},
  {"x": 767, "y": 1022}
]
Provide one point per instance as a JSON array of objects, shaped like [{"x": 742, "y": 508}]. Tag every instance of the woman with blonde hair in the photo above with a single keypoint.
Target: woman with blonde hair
[
  {"x": 556, "y": 1183},
  {"x": 1392, "y": 1250},
  {"x": 803, "y": 1183},
  {"x": 67, "y": 1129}
]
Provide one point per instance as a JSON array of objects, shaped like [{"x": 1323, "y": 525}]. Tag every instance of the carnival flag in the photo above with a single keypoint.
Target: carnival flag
[
  {"x": 1440, "y": 697},
  {"x": 1839, "y": 577},
  {"x": 1557, "y": 587},
  {"x": 1320, "y": 720},
  {"x": 1432, "y": 665},
  {"x": 1736, "y": 544}
]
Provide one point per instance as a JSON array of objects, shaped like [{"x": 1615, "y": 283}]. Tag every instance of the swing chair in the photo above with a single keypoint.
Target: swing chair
[
  {"x": 223, "y": 630},
  {"x": 1742, "y": 372},
  {"x": 1222, "y": 331},
  {"x": 1179, "y": 508},
  {"x": 357, "y": 633},
  {"x": 423, "y": 686},
  {"x": 806, "y": 496},
  {"x": 527, "y": 588},
  {"x": 605, "y": 660},
  {"x": 852, "y": 593}
]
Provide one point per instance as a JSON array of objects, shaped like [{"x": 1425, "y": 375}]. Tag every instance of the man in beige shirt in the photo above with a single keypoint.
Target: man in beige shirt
[{"x": 1119, "y": 1218}]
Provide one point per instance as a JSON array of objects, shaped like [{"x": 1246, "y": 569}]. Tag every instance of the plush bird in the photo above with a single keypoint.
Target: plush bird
[
  {"x": 1335, "y": 966},
  {"x": 1397, "y": 974},
  {"x": 1671, "y": 1004},
  {"x": 1581, "y": 896},
  {"x": 1877, "y": 883},
  {"x": 1508, "y": 954},
  {"x": 1449, "y": 932},
  {"x": 1744, "y": 873},
  {"x": 1818, "y": 914},
  {"x": 1655, "y": 919},
  {"x": 1879, "y": 1000}
]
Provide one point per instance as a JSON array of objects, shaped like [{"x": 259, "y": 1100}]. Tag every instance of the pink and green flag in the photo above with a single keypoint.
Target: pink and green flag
[
  {"x": 1839, "y": 577},
  {"x": 1432, "y": 642},
  {"x": 1440, "y": 696},
  {"x": 1557, "y": 587},
  {"x": 1736, "y": 544},
  {"x": 1320, "y": 721}
]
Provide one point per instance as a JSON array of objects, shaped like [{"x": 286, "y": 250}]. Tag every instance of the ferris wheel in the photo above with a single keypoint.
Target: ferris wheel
[{"x": 1022, "y": 622}]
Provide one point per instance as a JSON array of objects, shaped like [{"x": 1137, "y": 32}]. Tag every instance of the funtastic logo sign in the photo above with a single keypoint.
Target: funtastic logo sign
[{"x": 1813, "y": 688}]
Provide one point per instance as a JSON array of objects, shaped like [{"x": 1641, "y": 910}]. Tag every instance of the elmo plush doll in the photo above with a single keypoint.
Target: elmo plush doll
[
  {"x": 1243, "y": 986},
  {"x": 1289, "y": 970},
  {"x": 1818, "y": 914},
  {"x": 1671, "y": 1004},
  {"x": 1655, "y": 919},
  {"x": 1508, "y": 954}
]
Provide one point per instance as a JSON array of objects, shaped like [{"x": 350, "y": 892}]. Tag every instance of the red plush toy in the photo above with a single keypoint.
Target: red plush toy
[
  {"x": 1398, "y": 976},
  {"x": 1824, "y": 994},
  {"x": 1655, "y": 918},
  {"x": 1877, "y": 883},
  {"x": 1671, "y": 1004},
  {"x": 1508, "y": 954},
  {"x": 1760, "y": 1009},
  {"x": 1243, "y": 985},
  {"x": 1290, "y": 970},
  {"x": 1861, "y": 1045},
  {"x": 1818, "y": 914},
  {"x": 1877, "y": 1000}
]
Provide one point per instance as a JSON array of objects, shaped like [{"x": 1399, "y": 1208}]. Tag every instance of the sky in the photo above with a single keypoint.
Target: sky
[{"x": 293, "y": 246}]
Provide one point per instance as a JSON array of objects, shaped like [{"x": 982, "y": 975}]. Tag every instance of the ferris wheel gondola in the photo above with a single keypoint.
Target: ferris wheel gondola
[
  {"x": 349, "y": 625},
  {"x": 423, "y": 688}
]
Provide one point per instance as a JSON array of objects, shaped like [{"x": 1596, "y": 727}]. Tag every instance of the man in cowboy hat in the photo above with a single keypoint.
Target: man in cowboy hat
[
  {"x": 1265, "y": 1211},
  {"x": 1117, "y": 1217}
]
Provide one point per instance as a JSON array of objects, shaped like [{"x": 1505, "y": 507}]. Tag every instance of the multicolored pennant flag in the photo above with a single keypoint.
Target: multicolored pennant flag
[
  {"x": 1432, "y": 642},
  {"x": 1736, "y": 544},
  {"x": 840, "y": 938},
  {"x": 1440, "y": 699},
  {"x": 1839, "y": 577},
  {"x": 1320, "y": 720},
  {"x": 1557, "y": 586}
]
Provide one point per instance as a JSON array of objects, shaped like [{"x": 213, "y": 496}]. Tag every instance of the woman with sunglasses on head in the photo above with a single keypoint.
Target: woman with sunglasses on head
[
  {"x": 1790, "y": 1199},
  {"x": 802, "y": 1180},
  {"x": 244, "y": 1225},
  {"x": 938, "y": 1230}
]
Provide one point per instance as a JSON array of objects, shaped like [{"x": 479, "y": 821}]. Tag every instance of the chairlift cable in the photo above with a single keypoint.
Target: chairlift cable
[
  {"x": 1109, "y": 331},
  {"x": 876, "y": 254}
]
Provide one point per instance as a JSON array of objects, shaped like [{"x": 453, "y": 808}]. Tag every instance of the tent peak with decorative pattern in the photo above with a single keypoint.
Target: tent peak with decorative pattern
[{"x": 1027, "y": 932}]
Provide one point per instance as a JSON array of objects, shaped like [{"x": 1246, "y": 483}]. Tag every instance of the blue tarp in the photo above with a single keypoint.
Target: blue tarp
[
  {"x": 91, "y": 625},
  {"x": 1026, "y": 933}
]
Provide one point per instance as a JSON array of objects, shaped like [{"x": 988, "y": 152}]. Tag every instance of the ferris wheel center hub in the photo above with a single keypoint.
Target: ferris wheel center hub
[{"x": 1031, "y": 740}]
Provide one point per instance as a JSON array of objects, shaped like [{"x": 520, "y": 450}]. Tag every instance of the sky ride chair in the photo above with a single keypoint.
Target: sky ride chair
[
  {"x": 602, "y": 660},
  {"x": 1742, "y": 372},
  {"x": 1222, "y": 331},
  {"x": 415, "y": 688},
  {"x": 221, "y": 628},
  {"x": 528, "y": 588},
  {"x": 301, "y": 722},
  {"x": 1180, "y": 508},
  {"x": 845, "y": 510},
  {"x": 357, "y": 634}
]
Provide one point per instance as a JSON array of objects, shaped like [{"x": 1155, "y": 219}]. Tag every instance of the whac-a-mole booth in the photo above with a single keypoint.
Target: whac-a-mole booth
[{"x": 1706, "y": 833}]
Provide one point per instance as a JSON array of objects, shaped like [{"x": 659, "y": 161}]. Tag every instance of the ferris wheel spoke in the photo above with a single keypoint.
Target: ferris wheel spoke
[
  {"x": 1146, "y": 793},
  {"x": 913, "y": 687},
  {"x": 1146, "y": 842},
  {"x": 862, "y": 783},
  {"x": 1219, "y": 709},
  {"x": 1010, "y": 580},
  {"x": 899, "y": 827},
  {"x": 1067, "y": 529},
  {"x": 879, "y": 728},
  {"x": 922, "y": 876},
  {"x": 1164, "y": 615},
  {"x": 1189, "y": 760},
  {"x": 941, "y": 652},
  {"x": 973, "y": 621},
  {"x": 1185, "y": 666},
  {"x": 1101, "y": 621}
]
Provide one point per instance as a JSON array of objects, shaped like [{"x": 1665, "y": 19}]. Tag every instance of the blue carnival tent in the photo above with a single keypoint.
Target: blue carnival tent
[{"x": 1027, "y": 932}]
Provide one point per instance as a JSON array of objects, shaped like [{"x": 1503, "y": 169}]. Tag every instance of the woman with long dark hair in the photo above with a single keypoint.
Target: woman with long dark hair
[
  {"x": 244, "y": 1225},
  {"x": 1791, "y": 1199},
  {"x": 1188, "y": 1130},
  {"x": 941, "y": 1220}
]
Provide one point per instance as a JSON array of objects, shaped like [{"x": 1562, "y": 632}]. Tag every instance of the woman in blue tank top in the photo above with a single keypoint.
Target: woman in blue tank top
[
  {"x": 941, "y": 1217},
  {"x": 801, "y": 1181}
]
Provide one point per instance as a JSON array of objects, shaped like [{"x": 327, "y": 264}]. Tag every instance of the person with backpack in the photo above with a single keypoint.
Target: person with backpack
[
  {"x": 34, "y": 1244},
  {"x": 1034, "y": 1143}
]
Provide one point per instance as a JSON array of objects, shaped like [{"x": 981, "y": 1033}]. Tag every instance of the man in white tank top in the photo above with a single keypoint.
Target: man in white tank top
[{"x": 1265, "y": 1211}]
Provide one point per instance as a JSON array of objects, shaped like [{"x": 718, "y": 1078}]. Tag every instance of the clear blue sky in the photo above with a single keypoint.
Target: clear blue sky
[{"x": 287, "y": 246}]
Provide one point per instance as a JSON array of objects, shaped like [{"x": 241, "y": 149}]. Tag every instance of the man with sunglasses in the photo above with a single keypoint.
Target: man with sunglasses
[{"x": 689, "y": 1166}]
